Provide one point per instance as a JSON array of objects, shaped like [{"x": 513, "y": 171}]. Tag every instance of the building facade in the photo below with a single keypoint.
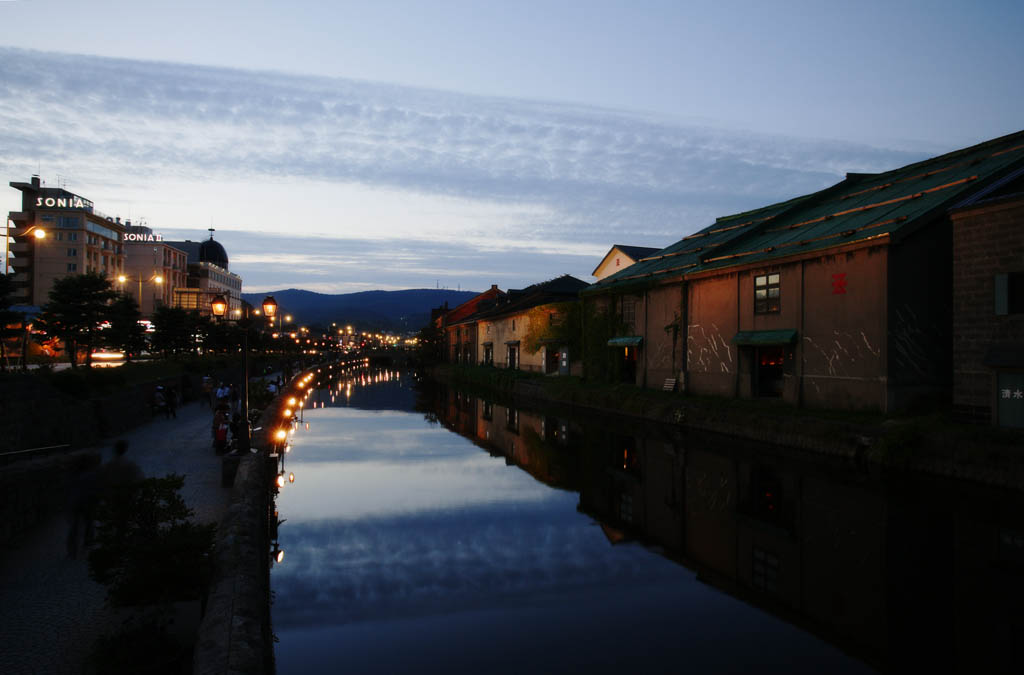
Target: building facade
[
  {"x": 153, "y": 269},
  {"x": 77, "y": 239},
  {"x": 208, "y": 277},
  {"x": 988, "y": 307},
  {"x": 838, "y": 299},
  {"x": 619, "y": 258},
  {"x": 512, "y": 333}
]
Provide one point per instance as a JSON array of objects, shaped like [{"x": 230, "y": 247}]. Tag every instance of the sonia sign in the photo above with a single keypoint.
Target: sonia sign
[{"x": 69, "y": 202}]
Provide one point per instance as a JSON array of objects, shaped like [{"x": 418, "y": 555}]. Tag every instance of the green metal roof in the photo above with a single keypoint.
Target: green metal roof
[
  {"x": 631, "y": 341},
  {"x": 685, "y": 255},
  {"x": 764, "y": 337},
  {"x": 860, "y": 207}
]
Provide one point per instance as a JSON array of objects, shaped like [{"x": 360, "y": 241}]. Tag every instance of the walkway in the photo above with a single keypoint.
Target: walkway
[{"x": 51, "y": 612}]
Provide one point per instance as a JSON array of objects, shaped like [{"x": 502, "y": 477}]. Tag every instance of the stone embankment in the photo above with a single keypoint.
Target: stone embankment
[
  {"x": 926, "y": 444},
  {"x": 235, "y": 635}
]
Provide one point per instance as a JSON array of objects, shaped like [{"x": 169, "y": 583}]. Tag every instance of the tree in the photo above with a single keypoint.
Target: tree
[
  {"x": 125, "y": 333},
  {"x": 77, "y": 305},
  {"x": 7, "y": 317},
  {"x": 430, "y": 347},
  {"x": 177, "y": 330}
]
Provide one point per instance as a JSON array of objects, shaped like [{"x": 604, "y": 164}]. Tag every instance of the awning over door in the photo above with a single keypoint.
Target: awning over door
[
  {"x": 760, "y": 338},
  {"x": 631, "y": 341}
]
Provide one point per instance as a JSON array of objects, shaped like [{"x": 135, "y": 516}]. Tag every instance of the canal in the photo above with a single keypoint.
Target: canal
[{"x": 428, "y": 530}]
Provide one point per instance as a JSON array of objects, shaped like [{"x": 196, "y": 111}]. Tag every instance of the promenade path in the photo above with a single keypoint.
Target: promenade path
[{"x": 51, "y": 612}]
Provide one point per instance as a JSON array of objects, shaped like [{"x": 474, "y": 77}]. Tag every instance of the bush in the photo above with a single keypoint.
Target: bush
[{"x": 147, "y": 549}]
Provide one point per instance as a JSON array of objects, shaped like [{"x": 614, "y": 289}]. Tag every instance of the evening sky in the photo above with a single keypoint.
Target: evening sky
[{"x": 356, "y": 145}]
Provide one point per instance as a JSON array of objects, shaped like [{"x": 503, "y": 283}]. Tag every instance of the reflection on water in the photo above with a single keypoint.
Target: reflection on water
[{"x": 546, "y": 541}]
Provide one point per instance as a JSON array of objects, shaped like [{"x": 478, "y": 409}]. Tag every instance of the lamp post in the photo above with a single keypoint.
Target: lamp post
[
  {"x": 219, "y": 307},
  {"x": 35, "y": 230},
  {"x": 156, "y": 278}
]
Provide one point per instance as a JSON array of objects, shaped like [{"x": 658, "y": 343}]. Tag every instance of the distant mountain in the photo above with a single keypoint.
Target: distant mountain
[{"x": 397, "y": 311}]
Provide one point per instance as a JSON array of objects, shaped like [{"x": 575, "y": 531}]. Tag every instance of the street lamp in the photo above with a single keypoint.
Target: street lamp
[
  {"x": 156, "y": 278},
  {"x": 35, "y": 230},
  {"x": 219, "y": 307}
]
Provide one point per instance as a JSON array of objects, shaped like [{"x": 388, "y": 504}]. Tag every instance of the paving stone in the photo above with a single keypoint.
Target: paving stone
[{"x": 51, "y": 612}]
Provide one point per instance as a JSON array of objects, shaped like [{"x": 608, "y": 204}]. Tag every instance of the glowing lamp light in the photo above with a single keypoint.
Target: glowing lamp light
[
  {"x": 281, "y": 434},
  {"x": 287, "y": 412},
  {"x": 121, "y": 278},
  {"x": 40, "y": 234},
  {"x": 269, "y": 306},
  {"x": 291, "y": 477},
  {"x": 291, "y": 401},
  {"x": 280, "y": 480},
  {"x": 279, "y": 556},
  {"x": 219, "y": 305}
]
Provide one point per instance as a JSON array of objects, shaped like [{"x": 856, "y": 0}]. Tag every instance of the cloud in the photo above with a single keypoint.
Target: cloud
[
  {"x": 370, "y": 161},
  {"x": 342, "y": 571}
]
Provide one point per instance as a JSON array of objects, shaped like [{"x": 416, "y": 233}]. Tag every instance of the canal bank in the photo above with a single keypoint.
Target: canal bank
[{"x": 928, "y": 444}]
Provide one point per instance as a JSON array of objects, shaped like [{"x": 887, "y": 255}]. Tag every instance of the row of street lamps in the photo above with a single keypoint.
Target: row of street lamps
[{"x": 219, "y": 308}]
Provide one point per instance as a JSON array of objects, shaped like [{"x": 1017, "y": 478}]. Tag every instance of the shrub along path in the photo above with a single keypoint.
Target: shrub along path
[{"x": 51, "y": 612}]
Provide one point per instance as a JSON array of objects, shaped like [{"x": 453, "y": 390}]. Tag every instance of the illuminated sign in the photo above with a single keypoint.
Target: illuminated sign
[
  {"x": 69, "y": 202},
  {"x": 143, "y": 237}
]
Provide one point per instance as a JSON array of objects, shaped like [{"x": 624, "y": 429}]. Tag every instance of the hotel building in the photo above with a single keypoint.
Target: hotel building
[
  {"x": 75, "y": 239},
  {"x": 208, "y": 277},
  {"x": 153, "y": 269}
]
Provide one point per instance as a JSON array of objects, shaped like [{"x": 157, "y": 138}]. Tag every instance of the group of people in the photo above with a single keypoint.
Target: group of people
[{"x": 227, "y": 414}]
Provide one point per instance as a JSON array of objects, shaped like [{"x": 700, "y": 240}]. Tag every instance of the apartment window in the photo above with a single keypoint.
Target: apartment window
[
  {"x": 72, "y": 236},
  {"x": 60, "y": 236},
  {"x": 72, "y": 267},
  {"x": 69, "y": 222},
  {"x": 766, "y": 293},
  {"x": 72, "y": 252}
]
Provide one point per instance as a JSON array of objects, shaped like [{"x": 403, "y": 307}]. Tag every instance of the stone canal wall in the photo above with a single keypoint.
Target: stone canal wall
[
  {"x": 926, "y": 444},
  {"x": 235, "y": 636}
]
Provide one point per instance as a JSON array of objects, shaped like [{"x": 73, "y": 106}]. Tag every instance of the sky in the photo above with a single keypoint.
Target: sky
[{"x": 351, "y": 146}]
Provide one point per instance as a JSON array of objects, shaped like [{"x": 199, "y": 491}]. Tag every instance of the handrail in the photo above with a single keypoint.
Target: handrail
[{"x": 45, "y": 447}]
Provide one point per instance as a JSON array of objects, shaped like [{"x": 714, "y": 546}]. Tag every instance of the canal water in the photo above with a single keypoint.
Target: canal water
[{"x": 432, "y": 530}]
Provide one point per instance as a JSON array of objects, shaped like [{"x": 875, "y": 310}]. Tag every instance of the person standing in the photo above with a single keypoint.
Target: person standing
[
  {"x": 171, "y": 394},
  {"x": 235, "y": 400},
  {"x": 220, "y": 428}
]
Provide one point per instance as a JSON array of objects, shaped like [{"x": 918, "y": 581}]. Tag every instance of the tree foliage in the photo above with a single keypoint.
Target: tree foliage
[
  {"x": 148, "y": 550},
  {"x": 10, "y": 321},
  {"x": 125, "y": 333},
  {"x": 177, "y": 331},
  {"x": 76, "y": 308},
  {"x": 430, "y": 347}
]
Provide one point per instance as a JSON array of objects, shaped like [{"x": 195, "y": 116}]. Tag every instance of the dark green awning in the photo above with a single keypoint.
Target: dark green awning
[
  {"x": 757, "y": 338},
  {"x": 631, "y": 341}
]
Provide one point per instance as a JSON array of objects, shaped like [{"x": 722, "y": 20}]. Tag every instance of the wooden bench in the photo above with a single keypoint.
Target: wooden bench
[{"x": 670, "y": 384}]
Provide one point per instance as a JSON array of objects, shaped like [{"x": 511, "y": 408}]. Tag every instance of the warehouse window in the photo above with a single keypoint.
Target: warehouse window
[
  {"x": 629, "y": 312},
  {"x": 1009, "y": 293},
  {"x": 766, "y": 293}
]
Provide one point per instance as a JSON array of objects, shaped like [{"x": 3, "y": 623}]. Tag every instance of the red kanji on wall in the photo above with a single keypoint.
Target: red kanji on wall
[{"x": 839, "y": 284}]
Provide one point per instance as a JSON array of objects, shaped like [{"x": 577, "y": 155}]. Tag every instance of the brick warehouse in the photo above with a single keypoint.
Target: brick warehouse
[
  {"x": 988, "y": 305},
  {"x": 838, "y": 299}
]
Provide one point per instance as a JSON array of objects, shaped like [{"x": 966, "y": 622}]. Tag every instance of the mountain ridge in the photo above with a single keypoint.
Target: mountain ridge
[{"x": 397, "y": 311}]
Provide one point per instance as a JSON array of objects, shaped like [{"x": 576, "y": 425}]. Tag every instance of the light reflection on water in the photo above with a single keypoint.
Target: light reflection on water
[{"x": 410, "y": 549}]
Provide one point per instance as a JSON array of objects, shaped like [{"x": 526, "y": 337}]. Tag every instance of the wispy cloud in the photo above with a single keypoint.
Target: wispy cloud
[{"x": 520, "y": 177}]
